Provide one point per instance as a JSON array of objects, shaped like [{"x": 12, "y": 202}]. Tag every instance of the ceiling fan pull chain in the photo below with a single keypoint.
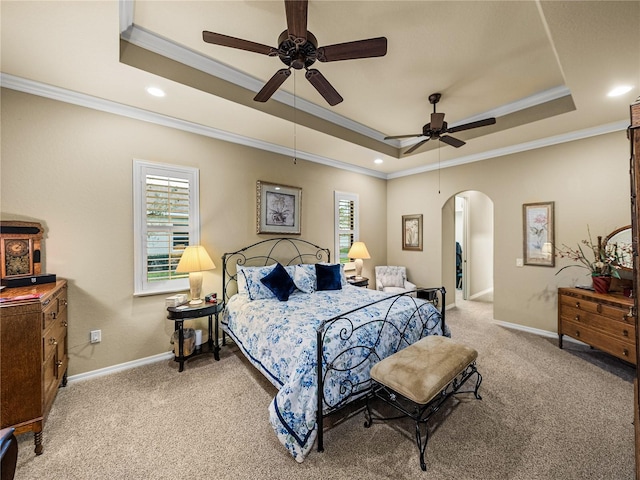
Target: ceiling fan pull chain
[{"x": 295, "y": 118}]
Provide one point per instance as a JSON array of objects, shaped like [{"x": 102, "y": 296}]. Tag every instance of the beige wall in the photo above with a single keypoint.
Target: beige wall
[
  {"x": 70, "y": 168},
  {"x": 587, "y": 179}
]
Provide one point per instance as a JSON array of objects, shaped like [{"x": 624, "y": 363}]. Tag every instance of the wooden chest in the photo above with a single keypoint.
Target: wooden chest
[
  {"x": 33, "y": 355},
  {"x": 604, "y": 321}
]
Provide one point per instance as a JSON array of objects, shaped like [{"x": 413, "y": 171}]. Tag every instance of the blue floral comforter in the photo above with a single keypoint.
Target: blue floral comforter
[{"x": 279, "y": 338}]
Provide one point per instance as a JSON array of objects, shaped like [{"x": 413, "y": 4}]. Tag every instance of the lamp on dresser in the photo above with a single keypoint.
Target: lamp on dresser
[
  {"x": 358, "y": 251},
  {"x": 194, "y": 261}
]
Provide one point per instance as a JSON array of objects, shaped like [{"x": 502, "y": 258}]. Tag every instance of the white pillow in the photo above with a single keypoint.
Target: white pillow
[
  {"x": 304, "y": 280},
  {"x": 252, "y": 285},
  {"x": 393, "y": 280}
]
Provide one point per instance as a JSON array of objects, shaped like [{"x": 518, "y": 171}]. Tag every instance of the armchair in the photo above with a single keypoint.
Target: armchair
[{"x": 391, "y": 279}]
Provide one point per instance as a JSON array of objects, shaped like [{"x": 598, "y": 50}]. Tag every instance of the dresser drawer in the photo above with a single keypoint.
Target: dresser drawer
[
  {"x": 618, "y": 347},
  {"x": 615, "y": 312},
  {"x": 54, "y": 336},
  {"x": 622, "y": 330},
  {"x": 53, "y": 307}
]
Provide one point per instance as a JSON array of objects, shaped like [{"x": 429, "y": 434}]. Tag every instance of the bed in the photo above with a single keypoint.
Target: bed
[{"x": 317, "y": 340}]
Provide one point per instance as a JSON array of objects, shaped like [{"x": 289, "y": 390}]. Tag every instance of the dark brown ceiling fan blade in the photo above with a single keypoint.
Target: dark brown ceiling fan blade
[
  {"x": 323, "y": 86},
  {"x": 403, "y": 136},
  {"x": 296, "y": 11},
  {"x": 233, "y": 42},
  {"x": 470, "y": 125},
  {"x": 454, "y": 142},
  {"x": 272, "y": 85},
  {"x": 416, "y": 146},
  {"x": 437, "y": 120},
  {"x": 372, "y": 47}
]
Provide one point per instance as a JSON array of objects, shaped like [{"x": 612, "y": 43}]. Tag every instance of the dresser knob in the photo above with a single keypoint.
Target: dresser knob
[
  {"x": 625, "y": 352},
  {"x": 577, "y": 304},
  {"x": 65, "y": 324},
  {"x": 54, "y": 315},
  {"x": 577, "y": 333},
  {"x": 577, "y": 318},
  {"x": 599, "y": 308},
  {"x": 53, "y": 341},
  {"x": 59, "y": 363},
  {"x": 625, "y": 333}
]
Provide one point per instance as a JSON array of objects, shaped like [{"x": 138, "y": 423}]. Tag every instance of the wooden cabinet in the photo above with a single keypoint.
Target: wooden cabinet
[
  {"x": 33, "y": 355},
  {"x": 604, "y": 321}
]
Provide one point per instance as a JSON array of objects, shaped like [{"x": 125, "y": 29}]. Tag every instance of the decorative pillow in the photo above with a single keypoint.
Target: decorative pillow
[
  {"x": 304, "y": 280},
  {"x": 279, "y": 282},
  {"x": 328, "y": 277},
  {"x": 393, "y": 280},
  {"x": 343, "y": 275},
  {"x": 254, "y": 287}
]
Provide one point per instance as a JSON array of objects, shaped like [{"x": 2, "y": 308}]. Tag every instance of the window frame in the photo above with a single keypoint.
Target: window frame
[
  {"x": 142, "y": 168},
  {"x": 355, "y": 198}
]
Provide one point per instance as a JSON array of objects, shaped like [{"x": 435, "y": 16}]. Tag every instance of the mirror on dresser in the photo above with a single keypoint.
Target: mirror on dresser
[{"x": 620, "y": 239}]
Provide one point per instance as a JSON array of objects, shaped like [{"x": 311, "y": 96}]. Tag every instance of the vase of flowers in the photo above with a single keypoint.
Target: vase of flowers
[{"x": 602, "y": 267}]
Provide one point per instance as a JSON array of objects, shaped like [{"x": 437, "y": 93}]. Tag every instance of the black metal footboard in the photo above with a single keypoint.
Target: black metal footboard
[{"x": 348, "y": 346}]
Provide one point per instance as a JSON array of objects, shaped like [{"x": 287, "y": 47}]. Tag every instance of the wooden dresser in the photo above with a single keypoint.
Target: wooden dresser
[
  {"x": 604, "y": 321},
  {"x": 33, "y": 355}
]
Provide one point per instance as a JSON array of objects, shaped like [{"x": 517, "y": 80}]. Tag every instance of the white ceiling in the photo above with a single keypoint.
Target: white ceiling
[{"x": 542, "y": 68}]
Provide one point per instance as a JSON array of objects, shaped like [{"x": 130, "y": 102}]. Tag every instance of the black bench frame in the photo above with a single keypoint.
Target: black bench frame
[{"x": 420, "y": 413}]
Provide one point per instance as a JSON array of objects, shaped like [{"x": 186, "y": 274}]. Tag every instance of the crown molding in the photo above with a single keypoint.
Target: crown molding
[
  {"x": 56, "y": 93},
  {"x": 521, "y": 147}
]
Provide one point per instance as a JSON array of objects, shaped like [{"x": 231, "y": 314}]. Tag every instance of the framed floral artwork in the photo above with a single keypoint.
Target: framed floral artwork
[
  {"x": 278, "y": 208},
  {"x": 412, "y": 232},
  {"x": 538, "y": 234}
]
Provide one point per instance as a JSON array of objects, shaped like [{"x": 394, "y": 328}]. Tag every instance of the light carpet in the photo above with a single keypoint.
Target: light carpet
[{"x": 546, "y": 413}]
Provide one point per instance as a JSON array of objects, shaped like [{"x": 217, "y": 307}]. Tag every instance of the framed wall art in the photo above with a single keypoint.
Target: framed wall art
[
  {"x": 538, "y": 234},
  {"x": 279, "y": 208},
  {"x": 412, "y": 232}
]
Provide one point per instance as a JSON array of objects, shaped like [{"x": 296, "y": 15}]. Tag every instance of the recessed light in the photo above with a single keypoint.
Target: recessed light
[
  {"x": 378, "y": 161},
  {"x": 616, "y": 92},
  {"x": 155, "y": 91}
]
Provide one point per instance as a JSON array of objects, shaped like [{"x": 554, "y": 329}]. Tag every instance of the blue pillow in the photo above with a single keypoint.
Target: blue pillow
[
  {"x": 279, "y": 282},
  {"x": 328, "y": 277}
]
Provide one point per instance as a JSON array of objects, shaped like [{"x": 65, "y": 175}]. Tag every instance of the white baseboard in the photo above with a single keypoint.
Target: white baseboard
[{"x": 120, "y": 367}]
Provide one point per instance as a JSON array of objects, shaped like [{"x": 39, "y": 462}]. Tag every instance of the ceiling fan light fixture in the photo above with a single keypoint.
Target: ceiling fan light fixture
[
  {"x": 378, "y": 161},
  {"x": 620, "y": 90}
]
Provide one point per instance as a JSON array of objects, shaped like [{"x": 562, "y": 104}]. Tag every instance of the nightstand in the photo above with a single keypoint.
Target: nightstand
[
  {"x": 358, "y": 281},
  {"x": 184, "y": 312}
]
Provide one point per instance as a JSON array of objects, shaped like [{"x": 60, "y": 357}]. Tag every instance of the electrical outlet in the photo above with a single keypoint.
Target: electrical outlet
[
  {"x": 519, "y": 262},
  {"x": 96, "y": 336}
]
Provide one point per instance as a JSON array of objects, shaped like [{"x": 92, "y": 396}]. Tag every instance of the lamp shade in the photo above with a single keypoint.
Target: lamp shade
[
  {"x": 195, "y": 259},
  {"x": 358, "y": 250}
]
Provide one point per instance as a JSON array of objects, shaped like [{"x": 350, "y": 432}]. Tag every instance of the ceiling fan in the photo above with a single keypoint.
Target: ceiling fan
[
  {"x": 298, "y": 48},
  {"x": 437, "y": 128}
]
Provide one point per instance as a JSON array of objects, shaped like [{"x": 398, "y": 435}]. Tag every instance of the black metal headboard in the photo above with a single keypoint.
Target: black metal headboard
[{"x": 284, "y": 250}]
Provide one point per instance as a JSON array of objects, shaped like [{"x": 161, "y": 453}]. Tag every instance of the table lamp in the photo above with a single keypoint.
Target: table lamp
[
  {"x": 358, "y": 251},
  {"x": 194, "y": 260}
]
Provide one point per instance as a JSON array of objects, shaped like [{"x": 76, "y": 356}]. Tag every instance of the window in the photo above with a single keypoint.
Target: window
[
  {"x": 166, "y": 220},
  {"x": 346, "y": 225}
]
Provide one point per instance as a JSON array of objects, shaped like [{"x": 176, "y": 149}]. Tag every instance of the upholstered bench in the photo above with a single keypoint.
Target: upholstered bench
[{"x": 420, "y": 378}]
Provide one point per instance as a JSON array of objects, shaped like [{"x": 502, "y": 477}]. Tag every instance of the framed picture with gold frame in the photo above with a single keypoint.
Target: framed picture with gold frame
[
  {"x": 20, "y": 254},
  {"x": 412, "y": 232}
]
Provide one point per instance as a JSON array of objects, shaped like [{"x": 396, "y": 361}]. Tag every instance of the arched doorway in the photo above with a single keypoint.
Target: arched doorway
[{"x": 467, "y": 221}]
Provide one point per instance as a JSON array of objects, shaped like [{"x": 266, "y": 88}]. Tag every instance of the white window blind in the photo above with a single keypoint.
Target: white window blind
[
  {"x": 346, "y": 224},
  {"x": 166, "y": 220}
]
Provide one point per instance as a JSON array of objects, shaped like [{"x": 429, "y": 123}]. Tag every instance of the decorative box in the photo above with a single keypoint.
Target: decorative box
[{"x": 175, "y": 300}]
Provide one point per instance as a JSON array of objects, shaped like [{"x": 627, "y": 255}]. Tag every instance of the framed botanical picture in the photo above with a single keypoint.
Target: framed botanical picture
[
  {"x": 538, "y": 241},
  {"x": 412, "y": 232},
  {"x": 279, "y": 208}
]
